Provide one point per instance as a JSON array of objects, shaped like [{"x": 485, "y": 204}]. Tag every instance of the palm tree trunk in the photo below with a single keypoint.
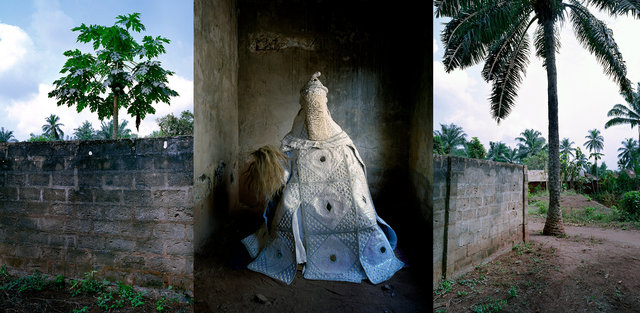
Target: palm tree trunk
[
  {"x": 114, "y": 135},
  {"x": 553, "y": 226}
]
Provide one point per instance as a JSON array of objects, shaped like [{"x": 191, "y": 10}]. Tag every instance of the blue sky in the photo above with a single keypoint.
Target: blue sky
[
  {"x": 585, "y": 93},
  {"x": 35, "y": 34}
]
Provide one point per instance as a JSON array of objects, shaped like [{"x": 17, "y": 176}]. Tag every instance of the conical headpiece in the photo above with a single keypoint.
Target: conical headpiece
[{"x": 314, "y": 86}]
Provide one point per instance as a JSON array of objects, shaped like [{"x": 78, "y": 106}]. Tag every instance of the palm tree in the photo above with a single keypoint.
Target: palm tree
[
  {"x": 566, "y": 147},
  {"x": 626, "y": 115},
  {"x": 595, "y": 142},
  {"x": 452, "y": 136},
  {"x": 581, "y": 158},
  {"x": 513, "y": 155},
  {"x": 106, "y": 130},
  {"x": 628, "y": 153},
  {"x": 530, "y": 143},
  {"x": 497, "y": 32},
  {"x": 52, "y": 127},
  {"x": 6, "y": 135},
  {"x": 497, "y": 151}
]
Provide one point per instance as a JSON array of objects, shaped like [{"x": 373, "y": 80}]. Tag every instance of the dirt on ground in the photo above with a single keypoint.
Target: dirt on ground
[
  {"x": 224, "y": 284},
  {"x": 592, "y": 269}
]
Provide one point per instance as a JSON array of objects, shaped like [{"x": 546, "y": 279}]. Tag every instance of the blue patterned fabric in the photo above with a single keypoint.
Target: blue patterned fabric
[{"x": 325, "y": 219}]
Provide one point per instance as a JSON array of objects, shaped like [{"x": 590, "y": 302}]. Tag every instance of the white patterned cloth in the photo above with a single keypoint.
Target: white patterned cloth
[{"x": 324, "y": 218}]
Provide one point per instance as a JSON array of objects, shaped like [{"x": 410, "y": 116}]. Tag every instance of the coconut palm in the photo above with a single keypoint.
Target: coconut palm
[
  {"x": 595, "y": 142},
  {"x": 628, "y": 153},
  {"x": 106, "y": 130},
  {"x": 6, "y": 135},
  {"x": 52, "y": 127},
  {"x": 498, "y": 33},
  {"x": 530, "y": 143},
  {"x": 626, "y": 114},
  {"x": 497, "y": 151},
  {"x": 513, "y": 155},
  {"x": 566, "y": 147},
  {"x": 451, "y": 136}
]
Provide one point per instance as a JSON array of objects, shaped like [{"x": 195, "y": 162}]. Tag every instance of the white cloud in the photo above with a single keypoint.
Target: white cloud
[
  {"x": 14, "y": 45},
  {"x": 29, "y": 115},
  {"x": 435, "y": 46}
]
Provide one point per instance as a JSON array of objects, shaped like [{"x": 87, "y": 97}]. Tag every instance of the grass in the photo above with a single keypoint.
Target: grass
[{"x": 491, "y": 306}]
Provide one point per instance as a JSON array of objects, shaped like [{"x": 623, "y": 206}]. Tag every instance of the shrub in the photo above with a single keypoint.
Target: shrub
[{"x": 630, "y": 205}]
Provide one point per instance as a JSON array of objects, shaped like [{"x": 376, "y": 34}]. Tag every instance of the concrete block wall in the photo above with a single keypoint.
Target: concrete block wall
[
  {"x": 478, "y": 212},
  {"x": 123, "y": 208}
]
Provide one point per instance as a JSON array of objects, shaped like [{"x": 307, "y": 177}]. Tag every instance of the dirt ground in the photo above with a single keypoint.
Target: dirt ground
[
  {"x": 593, "y": 269},
  {"x": 223, "y": 284}
]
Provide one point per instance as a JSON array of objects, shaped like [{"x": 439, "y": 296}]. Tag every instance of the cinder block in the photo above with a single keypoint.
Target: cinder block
[
  {"x": 174, "y": 265},
  {"x": 78, "y": 226},
  {"x": 108, "y": 196},
  {"x": 137, "y": 197},
  {"x": 131, "y": 261},
  {"x": 81, "y": 195},
  {"x": 150, "y": 213},
  {"x": 106, "y": 228},
  {"x": 180, "y": 179},
  {"x": 150, "y": 245},
  {"x": 30, "y": 194},
  {"x": 149, "y": 180},
  {"x": 147, "y": 280},
  {"x": 16, "y": 179},
  {"x": 180, "y": 214},
  {"x": 89, "y": 179},
  {"x": 51, "y": 224},
  {"x": 175, "y": 247},
  {"x": 170, "y": 197},
  {"x": 91, "y": 242},
  {"x": 54, "y": 195},
  {"x": 114, "y": 244},
  {"x": 119, "y": 180},
  {"x": 116, "y": 213},
  {"x": 169, "y": 231}
]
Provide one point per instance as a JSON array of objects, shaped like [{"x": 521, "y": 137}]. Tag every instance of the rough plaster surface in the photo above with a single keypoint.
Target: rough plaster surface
[
  {"x": 123, "y": 208},
  {"x": 215, "y": 114},
  {"x": 367, "y": 96},
  {"x": 486, "y": 215}
]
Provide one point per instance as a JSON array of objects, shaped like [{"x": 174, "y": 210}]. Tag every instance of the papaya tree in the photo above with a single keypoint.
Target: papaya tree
[{"x": 120, "y": 73}]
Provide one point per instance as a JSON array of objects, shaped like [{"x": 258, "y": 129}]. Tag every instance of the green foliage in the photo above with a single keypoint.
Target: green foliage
[
  {"x": 3, "y": 271},
  {"x": 475, "y": 149},
  {"x": 452, "y": 138},
  {"x": 88, "y": 285},
  {"x": 444, "y": 287},
  {"x": 462, "y": 293},
  {"x": 513, "y": 293},
  {"x": 160, "y": 304},
  {"x": 492, "y": 306},
  {"x": 106, "y": 301},
  {"x": 121, "y": 71},
  {"x": 531, "y": 143},
  {"x": 106, "y": 130},
  {"x": 6, "y": 135},
  {"x": 52, "y": 127},
  {"x": 173, "y": 126},
  {"x": 82, "y": 310},
  {"x": 35, "y": 281},
  {"x": 437, "y": 145},
  {"x": 85, "y": 132},
  {"x": 537, "y": 161},
  {"x": 39, "y": 138},
  {"x": 630, "y": 205},
  {"x": 522, "y": 247},
  {"x": 126, "y": 292}
]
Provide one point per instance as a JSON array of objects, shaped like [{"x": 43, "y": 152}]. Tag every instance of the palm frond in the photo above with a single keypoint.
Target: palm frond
[
  {"x": 538, "y": 41},
  {"x": 468, "y": 35},
  {"x": 451, "y": 8},
  {"x": 617, "y": 7},
  {"x": 621, "y": 121},
  {"x": 504, "y": 47},
  {"x": 594, "y": 35},
  {"x": 507, "y": 79}
]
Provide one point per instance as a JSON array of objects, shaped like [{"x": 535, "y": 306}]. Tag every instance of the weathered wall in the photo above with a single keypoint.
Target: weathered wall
[
  {"x": 215, "y": 114},
  {"x": 359, "y": 48},
  {"x": 479, "y": 211},
  {"x": 123, "y": 208}
]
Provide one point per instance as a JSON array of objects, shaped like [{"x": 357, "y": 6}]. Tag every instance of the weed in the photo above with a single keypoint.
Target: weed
[
  {"x": 3, "y": 271},
  {"x": 82, "y": 310},
  {"x": 522, "y": 247},
  {"x": 492, "y": 306},
  {"x": 88, "y": 285},
  {"x": 441, "y": 311},
  {"x": 162, "y": 302},
  {"x": 444, "y": 287},
  {"x": 35, "y": 281},
  {"x": 126, "y": 292},
  {"x": 106, "y": 301},
  {"x": 513, "y": 293},
  {"x": 462, "y": 293}
]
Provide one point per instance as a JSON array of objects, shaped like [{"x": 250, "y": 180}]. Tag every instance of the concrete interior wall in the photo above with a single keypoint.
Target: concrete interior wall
[
  {"x": 374, "y": 61},
  {"x": 215, "y": 114},
  {"x": 360, "y": 49}
]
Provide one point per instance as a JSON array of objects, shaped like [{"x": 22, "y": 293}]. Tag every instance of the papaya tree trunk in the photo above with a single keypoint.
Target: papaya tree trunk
[
  {"x": 114, "y": 135},
  {"x": 553, "y": 225}
]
